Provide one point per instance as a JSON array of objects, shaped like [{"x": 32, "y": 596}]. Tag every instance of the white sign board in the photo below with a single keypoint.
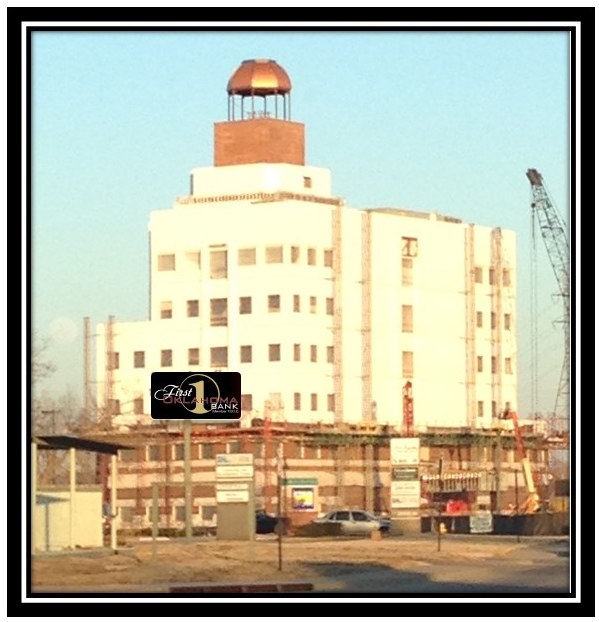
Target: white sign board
[
  {"x": 232, "y": 486},
  {"x": 405, "y": 494},
  {"x": 234, "y": 472},
  {"x": 481, "y": 522},
  {"x": 405, "y": 451},
  {"x": 232, "y": 496},
  {"x": 231, "y": 459}
]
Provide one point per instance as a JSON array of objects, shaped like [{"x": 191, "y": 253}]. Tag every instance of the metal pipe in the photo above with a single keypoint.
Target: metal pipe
[
  {"x": 187, "y": 476},
  {"x": 72, "y": 482},
  {"x": 33, "y": 494},
  {"x": 113, "y": 512}
]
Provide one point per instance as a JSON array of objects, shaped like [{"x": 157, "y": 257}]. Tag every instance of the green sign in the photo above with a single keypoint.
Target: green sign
[
  {"x": 403, "y": 475},
  {"x": 300, "y": 481}
]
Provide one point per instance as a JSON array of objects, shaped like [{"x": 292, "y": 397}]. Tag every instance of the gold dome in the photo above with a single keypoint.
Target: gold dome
[{"x": 259, "y": 77}]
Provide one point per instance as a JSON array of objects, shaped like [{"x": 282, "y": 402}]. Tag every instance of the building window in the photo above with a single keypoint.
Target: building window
[
  {"x": 407, "y": 318},
  {"x": 493, "y": 365},
  {"x": 274, "y": 254},
  {"x": 491, "y": 276},
  {"x": 192, "y": 259},
  {"x": 407, "y": 274},
  {"x": 507, "y": 321},
  {"x": 313, "y": 401},
  {"x": 166, "y": 262},
  {"x": 297, "y": 352},
  {"x": 297, "y": 401},
  {"x": 328, "y": 258},
  {"x": 127, "y": 455},
  {"x": 193, "y": 308},
  {"x": 479, "y": 319},
  {"x": 311, "y": 256},
  {"x": 409, "y": 247},
  {"x": 114, "y": 407},
  {"x": 494, "y": 409},
  {"x": 193, "y": 356},
  {"x": 153, "y": 453},
  {"x": 296, "y": 303},
  {"x": 330, "y": 306},
  {"x": 274, "y": 304},
  {"x": 506, "y": 278},
  {"x": 331, "y": 402},
  {"x": 493, "y": 320},
  {"x": 245, "y": 355},
  {"x": 508, "y": 366},
  {"x": 274, "y": 352},
  {"x": 313, "y": 354},
  {"x": 208, "y": 513},
  {"x": 259, "y": 449},
  {"x": 166, "y": 309},
  {"x": 219, "y": 357},
  {"x": 479, "y": 363},
  {"x": 245, "y": 305},
  {"x": 407, "y": 364},
  {"x": 113, "y": 360},
  {"x": 207, "y": 451},
  {"x": 179, "y": 451},
  {"x": 234, "y": 447},
  {"x": 330, "y": 354},
  {"x": 218, "y": 264},
  {"x": 295, "y": 254},
  {"x": 246, "y": 256},
  {"x": 246, "y": 402},
  {"x": 179, "y": 513},
  {"x": 478, "y": 274},
  {"x": 307, "y": 182},
  {"x": 138, "y": 406},
  {"x": 218, "y": 312},
  {"x": 312, "y": 304},
  {"x": 166, "y": 358},
  {"x": 139, "y": 359},
  {"x": 480, "y": 409},
  {"x": 126, "y": 514}
]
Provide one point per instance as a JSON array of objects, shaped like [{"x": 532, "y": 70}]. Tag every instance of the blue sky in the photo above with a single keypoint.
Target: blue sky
[{"x": 445, "y": 121}]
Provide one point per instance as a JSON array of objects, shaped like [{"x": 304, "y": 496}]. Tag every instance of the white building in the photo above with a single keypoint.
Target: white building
[{"x": 327, "y": 311}]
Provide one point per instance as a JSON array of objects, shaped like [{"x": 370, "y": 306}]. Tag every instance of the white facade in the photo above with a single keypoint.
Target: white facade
[{"x": 352, "y": 322}]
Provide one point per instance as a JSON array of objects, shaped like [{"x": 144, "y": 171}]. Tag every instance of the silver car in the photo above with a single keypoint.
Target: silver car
[{"x": 354, "y": 522}]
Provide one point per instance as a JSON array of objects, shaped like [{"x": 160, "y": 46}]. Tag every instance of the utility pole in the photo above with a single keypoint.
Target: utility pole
[{"x": 187, "y": 476}]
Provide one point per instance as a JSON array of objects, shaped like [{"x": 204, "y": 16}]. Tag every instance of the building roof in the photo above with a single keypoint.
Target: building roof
[
  {"x": 74, "y": 442},
  {"x": 259, "y": 77}
]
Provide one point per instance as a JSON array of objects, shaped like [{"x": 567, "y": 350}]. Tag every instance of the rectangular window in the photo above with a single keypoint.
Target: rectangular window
[
  {"x": 219, "y": 357},
  {"x": 246, "y": 402},
  {"x": 409, "y": 247},
  {"x": 274, "y": 304},
  {"x": 179, "y": 451},
  {"x": 179, "y": 513},
  {"x": 126, "y": 514},
  {"x": 128, "y": 455},
  {"x": 491, "y": 276},
  {"x": 407, "y": 364},
  {"x": 479, "y": 319},
  {"x": 494, "y": 409},
  {"x": 307, "y": 182},
  {"x": 313, "y": 354},
  {"x": 274, "y": 352},
  {"x": 311, "y": 256},
  {"x": 246, "y": 256},
  {"x": 207, "y": 451},
  {"x": 218, "y": 264},
  {"x": 295, "y": 254},
  {"x": 245, "y": 305},
  {"x": 139, "y": 359},
  {"x": 208, "y": 513},
  {"x": 478, "y": 275},
  {"x": 218, "y": 312},
  {"x": 166, "y": 262},
  {"x": 297, "y": 352},
  {"x": 297, "y": 401},
  {"x": 113, "y": 360},
  {"x": 313, "y": 401},
  {"x": 166, "y": 309},
  {"x": 330, "y": 354},
  {"x": 312, "y": 304},
  {"x": 138, "y": 406},
  {"x": 245, "y": 355},
  {"x": 193, "y": 308},
  {"x": 153, "y": 453},
  {"x": 192, "y": 259},
  {"x": 479, "y": 363},
  {"x": 493, "y": 320},
  {"x": 234, "y": 447},
  {"x": 274, "y": 254},
  {"x": 193, "y": 356},
  {"x": 508, "y": 366},
  {"x": 330, "y": 306},
  {"x": 296, "y": 303},
  {"x": 407, "y": 318},
  {"x": 507, "y": 321},
  {"x": 407, "y": 273},
  {"x": 331, "y": 402},
  {"x": 114, "y": 407},
  {"x": 166, "y": 358},
  {"x": 328, "y": 258},
  {"x": 493, "y": 365},
  {"x": 481, "y": 409},
  {"x": 506, "y": 278}
]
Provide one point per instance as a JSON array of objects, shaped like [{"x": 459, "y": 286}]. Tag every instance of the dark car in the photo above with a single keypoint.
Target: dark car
[{"x": 265, "y": 523}]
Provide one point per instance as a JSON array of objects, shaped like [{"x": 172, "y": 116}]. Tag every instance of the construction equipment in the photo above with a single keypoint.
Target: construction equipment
[{"x": 532, "y": 503}]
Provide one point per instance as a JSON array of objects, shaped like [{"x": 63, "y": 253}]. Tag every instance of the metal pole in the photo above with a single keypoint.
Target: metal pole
[
  {"x": 113, "y": 512},
  {"x": 72, "y": 475},
  {"x": 279, "y": 495},
  {"x": 187, "y": 475},
  {"x": 517, "y": 517},
  {"x": 498, "y": 471},
  {"x": 154, "y": 521},
  {"x": 33, "y": 494},
  {"x": 439, "y": 505}
]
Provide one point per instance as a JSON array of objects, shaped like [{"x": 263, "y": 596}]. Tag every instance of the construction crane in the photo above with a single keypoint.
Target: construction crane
[
  {"x": 532, "y": 503},
  {"x": 554, "y": 233}
]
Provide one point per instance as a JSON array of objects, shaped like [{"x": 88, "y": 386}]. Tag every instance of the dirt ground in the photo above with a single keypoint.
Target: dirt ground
[{"x": 221, "y": 562}]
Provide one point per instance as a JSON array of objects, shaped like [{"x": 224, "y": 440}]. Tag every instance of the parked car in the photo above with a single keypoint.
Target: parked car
[
  {"x": 355, "y": 522},
  {"x": 265, "y": 523}
]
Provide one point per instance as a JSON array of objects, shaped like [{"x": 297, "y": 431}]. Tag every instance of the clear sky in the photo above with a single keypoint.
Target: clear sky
[{"x": 445, "y": 121}]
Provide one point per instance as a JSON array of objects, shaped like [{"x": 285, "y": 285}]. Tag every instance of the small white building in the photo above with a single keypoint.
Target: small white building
[{"x": 326, "y": 310}]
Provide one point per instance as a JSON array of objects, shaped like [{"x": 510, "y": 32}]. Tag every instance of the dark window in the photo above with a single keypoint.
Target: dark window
[
  {"x": 138, "y": 406},
  {"x": 193, "y": 356},
  {"x": 179, "y": 451},
  {"x": 153, "y": 453},
  {"x": 193, "y": 308},
  {"x": 166, "y": 309},
  {"x": 207, "y": 451},
  {"x": 274, "y": 254},
  {"x": 328, "y": 258},
  {"x": 330, "y": 354},
  {"x": 218, "y": 312},
  {"x": 219, "y": 357},
  {"x": 313, "y": 354},
  {"x": 313, "y": 401},
  {"x": 297, "y": 401},
  {"x": 166, "y": 358},
  {"x": 218, "y": 264},
  {"x": 274, "y": 304},
  {"x": 246, "y": 354},
  {"x": 478, "y": 275},
  {"x": 246, "y": 402},
  {"x": 311, "y": 256},
  {"x": 139, "y": 359},
  {"x": 295, "y": 254},
  {"x": 297, "y": 352},
  {"x": 245, "y": 305},
  {"x": 166, "y": 262},
  {"x": 246, "y": 256},
  {"x": 274, "y": 352},
  {"x": 330, "y": 306}
]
